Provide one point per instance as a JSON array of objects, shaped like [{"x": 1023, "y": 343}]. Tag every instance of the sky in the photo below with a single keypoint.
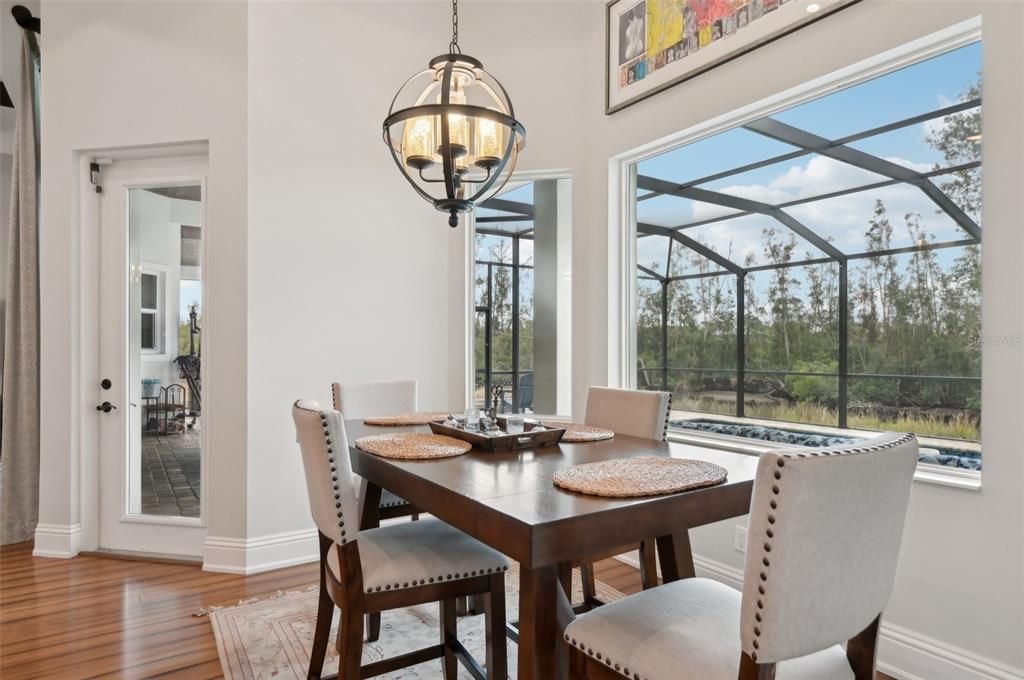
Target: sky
[
  {"x": 913, "y": 90},
  {"x": 191, "y": 292}
]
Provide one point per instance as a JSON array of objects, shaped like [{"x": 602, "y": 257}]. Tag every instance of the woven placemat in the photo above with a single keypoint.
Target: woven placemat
[
  {"x": 646, "y": 476},
  {"x": 405, "y": 419},
  {"x": 574, "y": 432},
  {"x": 413, "y": 445}
]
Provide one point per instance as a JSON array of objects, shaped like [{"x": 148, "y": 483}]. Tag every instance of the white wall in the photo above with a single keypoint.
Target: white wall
[{"x": 127, "y": 74}]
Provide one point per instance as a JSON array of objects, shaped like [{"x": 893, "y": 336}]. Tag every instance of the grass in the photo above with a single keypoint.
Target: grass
[{"x": 958, "y": 427}]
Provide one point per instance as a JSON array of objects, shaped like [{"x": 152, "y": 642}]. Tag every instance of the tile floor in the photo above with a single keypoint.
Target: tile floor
[{"x": 170, "y": 474}]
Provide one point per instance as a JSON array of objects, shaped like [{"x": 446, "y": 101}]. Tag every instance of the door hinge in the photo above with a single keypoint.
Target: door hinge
[{"x": 94, "y": 177}]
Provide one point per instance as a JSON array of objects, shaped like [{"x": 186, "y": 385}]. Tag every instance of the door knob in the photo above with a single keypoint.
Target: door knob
[{"x": 106, "y": 407}]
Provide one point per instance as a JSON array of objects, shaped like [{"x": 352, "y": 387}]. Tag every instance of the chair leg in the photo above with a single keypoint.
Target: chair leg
[
  {"x": 648, "y": 564},
  {"x": 350, "y": 643},
  {"x": 449, "y": 635},
  {"x": 494, "y": 623},
  {"x": 373, "y": 627},
  {"x": 589, "y": 584},
  {"x": 475, "y": 605},
  {"x": 322, "y": 634}
]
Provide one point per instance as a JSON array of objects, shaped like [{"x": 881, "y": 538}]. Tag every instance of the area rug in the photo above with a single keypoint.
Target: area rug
[{"x": 272, "y": 638}]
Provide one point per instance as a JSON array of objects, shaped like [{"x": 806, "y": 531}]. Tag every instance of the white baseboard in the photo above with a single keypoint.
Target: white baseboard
[
  {"x": 902, "y": 653},
  {"x": 907, "y": 655},
  {"x": 263, "y": 553},
  {"x": 61, "y": 541}
]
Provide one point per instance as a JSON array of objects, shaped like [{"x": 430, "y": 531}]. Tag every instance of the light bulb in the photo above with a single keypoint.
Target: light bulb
[
  {"x": 490, "y": 141},
  {"x": 458, "y": 124},
  {"x": 418, "y": 142}
]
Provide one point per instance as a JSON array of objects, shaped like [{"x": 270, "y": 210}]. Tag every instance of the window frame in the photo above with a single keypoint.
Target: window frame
[
  {"x": 622, "y": 189},
  {"x": 159, "y": 313}
]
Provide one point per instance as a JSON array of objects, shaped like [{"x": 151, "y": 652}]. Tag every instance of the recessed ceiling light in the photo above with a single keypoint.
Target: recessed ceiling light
[{"x": 813, "y": 7}]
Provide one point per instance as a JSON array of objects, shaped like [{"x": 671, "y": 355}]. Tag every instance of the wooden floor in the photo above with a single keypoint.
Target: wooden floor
[
  {"x": 94, "y": 617},
  {"x": 97, "y": 617}
]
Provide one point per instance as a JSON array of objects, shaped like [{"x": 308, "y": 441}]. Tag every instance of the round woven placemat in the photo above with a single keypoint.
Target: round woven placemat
[
  {"x": 413, "y": 445},
  {"x": 405, "y": 419},
  {"x": 647, "y": 476},
  {"x": 575, "y": 432}
]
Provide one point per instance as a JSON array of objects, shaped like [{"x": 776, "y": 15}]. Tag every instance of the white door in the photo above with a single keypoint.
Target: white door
[{"x": 152, "y": 259}]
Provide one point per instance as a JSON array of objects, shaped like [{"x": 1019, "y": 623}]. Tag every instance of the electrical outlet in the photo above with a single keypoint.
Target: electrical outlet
[{"x": 740, "y": 539}]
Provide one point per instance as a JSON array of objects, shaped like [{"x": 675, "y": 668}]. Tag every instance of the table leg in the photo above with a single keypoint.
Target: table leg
[
  {"x": 675, "y": 556},
  {"x": 538, "y": 629}
]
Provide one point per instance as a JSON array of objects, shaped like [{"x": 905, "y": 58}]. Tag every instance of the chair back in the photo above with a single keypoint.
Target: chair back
[
  {"x": 329, "y": 480},
  {"x": 631, "y": 412},
  {"x": 823, "y": 541},
  {"x": 370, "y": 399}
]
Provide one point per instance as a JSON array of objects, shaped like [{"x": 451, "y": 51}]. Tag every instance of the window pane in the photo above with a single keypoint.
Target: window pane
[
  {"x": 148, "y": 331},
  {"x": 912, "y": 270},
  {"x": 149, "y": 291}
]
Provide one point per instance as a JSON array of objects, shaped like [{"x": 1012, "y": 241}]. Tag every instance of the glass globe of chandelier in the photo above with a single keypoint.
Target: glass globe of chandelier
[{"x": 452, "y": 131}]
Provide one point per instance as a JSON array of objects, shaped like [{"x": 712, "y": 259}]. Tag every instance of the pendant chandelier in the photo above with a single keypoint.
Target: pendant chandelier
[{"x": 452, "y": 131}]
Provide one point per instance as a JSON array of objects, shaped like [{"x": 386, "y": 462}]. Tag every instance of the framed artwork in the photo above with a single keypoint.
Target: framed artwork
[{"x": 652, "y": 45}]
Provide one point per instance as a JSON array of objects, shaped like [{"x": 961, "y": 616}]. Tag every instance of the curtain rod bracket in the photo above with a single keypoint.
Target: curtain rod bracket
[{"x": 23, "y": 15}]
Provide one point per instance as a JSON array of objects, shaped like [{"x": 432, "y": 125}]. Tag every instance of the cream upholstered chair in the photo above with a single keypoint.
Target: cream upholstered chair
[
  {"x": 384, "y": 398},
  {"x": 638, "y": 413},
  {"x": 390, "y": 567},
  {"x": 367, "y": 399},
  {"x": 824, "y": 537}
]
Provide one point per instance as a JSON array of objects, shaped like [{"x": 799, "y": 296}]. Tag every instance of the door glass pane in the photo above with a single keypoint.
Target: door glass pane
[{"x": 164, "y": 344}]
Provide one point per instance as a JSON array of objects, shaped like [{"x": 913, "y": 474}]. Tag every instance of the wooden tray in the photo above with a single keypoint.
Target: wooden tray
[{"x": 503, "y": 442}]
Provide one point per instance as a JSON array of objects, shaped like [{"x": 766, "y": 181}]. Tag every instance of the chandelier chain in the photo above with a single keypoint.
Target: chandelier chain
[{"x": 453, "y": 46}]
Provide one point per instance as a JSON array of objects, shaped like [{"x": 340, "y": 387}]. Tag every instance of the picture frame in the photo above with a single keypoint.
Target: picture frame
[{"x": 652, "y": 45}]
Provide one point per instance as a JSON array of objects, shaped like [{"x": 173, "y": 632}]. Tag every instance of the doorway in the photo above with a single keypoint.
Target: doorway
[
  {"x": 522, "y": 297},
  {"x": 152, "y": 264}
]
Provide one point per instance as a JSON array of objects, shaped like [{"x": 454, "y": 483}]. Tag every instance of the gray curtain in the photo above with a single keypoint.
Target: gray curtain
[{"x": 19, "y": 441}]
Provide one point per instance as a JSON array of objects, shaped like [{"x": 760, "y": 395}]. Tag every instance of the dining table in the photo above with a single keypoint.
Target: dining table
[{"x": 507, "y": 500}]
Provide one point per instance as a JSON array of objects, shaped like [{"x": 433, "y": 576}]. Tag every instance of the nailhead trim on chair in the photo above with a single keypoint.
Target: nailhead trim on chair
[
  {"x": 438, "y": 579},
  {"x": 668, "y": 414},
  {"x": 774, "y": 504},
  {"x": 617, "y": 667},
  {"x": 334, "y": 477}
]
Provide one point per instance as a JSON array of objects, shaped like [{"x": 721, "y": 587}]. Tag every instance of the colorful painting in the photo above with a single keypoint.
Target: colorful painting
[{"x": 654, "y": 44}]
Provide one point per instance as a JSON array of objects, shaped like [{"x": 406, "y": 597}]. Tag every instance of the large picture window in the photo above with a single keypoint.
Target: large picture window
[{"x": 821, "y": 266}]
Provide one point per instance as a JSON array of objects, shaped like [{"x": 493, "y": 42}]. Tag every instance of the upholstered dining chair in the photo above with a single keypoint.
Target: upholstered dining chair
[
  {"x": 638, "y": 413},
  {"x": 366, "y": 400},
  {"x": 364, "y": 571},
  {"x": 823, "y": 542},
  {"x": 384, "y": 398}
]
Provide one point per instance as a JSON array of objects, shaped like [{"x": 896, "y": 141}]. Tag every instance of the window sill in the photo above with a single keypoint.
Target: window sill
[{"x": 926, "y": 473}]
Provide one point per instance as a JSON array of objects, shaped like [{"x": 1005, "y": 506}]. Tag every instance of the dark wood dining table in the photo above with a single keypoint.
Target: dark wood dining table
[{"x": 508, "y": 501}]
